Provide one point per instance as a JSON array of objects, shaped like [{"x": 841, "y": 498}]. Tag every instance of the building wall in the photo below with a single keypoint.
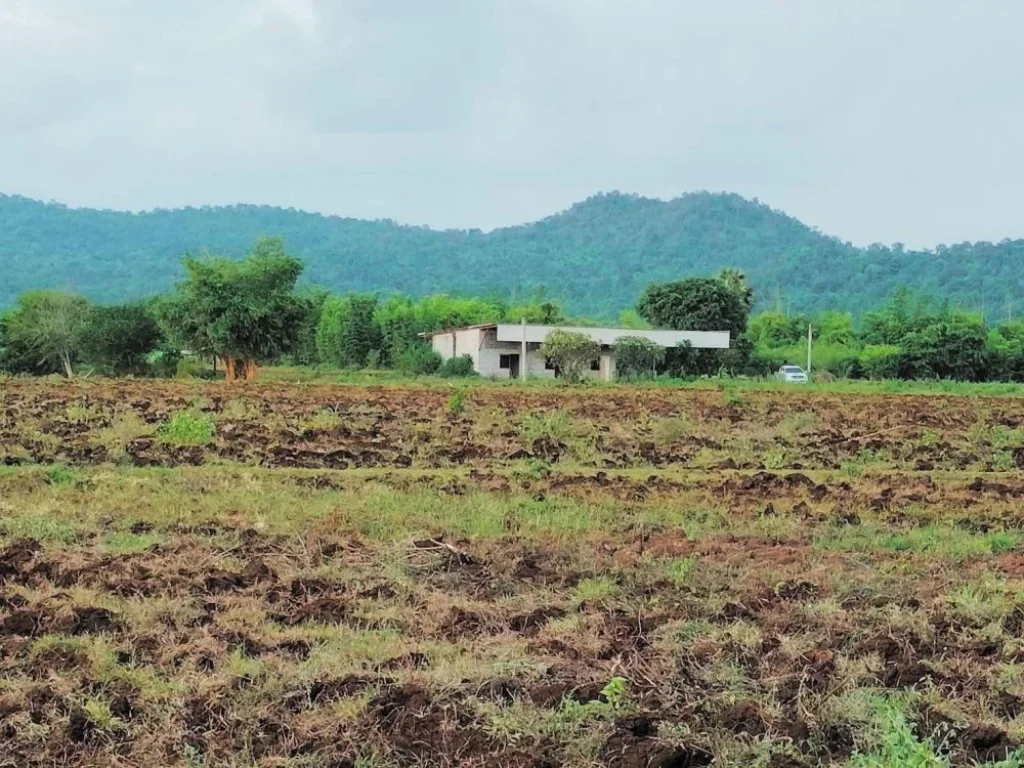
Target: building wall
[
  {"x": 482, "y": 345},
  {"x": 457, "y": 343},
  {"x": 491, "y": 350}
]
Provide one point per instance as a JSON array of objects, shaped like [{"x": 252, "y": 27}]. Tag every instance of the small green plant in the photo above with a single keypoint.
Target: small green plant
[
  {"x": 533, "y": 469},
  {"x": 81, "y": 413},
  {"x": 188, "y": 428},
  {"x": 457, "y": 402},
  {"x": 58, "y": 475},
  {"x": 1003, "y": 462},
  {"x": 898, "y": 745},
  {"x": 98, "y": 712},
  {"x": 460, "y": 367},
  {"x": 556, "y": 426},
  {"x": 324, "y": 420},
  {"x": 731, "y": 398},
  {"x": 596, "y": 590},
  {"x": 775, "y": 459},
  {"x": 615, "y": 691},
  {"x": 1005, "y": 437},
  {"x": 859, "y": 463},
  {"x": 680, "y": 572}
]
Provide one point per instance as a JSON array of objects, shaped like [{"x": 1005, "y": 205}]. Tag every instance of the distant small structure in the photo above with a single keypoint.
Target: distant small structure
[{"x": 509, "y": 351}]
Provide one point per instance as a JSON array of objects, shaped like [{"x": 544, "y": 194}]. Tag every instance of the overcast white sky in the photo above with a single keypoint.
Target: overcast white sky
[{"x": 875, "y": 120}]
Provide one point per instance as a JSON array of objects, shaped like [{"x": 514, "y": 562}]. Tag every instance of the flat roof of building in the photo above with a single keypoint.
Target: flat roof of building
[{"x": 536, "y": 334}]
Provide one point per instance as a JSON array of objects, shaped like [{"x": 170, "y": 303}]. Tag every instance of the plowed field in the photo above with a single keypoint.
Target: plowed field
[{"x": 214, "y": 575}]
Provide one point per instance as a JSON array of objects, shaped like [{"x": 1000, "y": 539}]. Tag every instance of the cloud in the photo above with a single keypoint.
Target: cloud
[{"x": 873, "y": 120}]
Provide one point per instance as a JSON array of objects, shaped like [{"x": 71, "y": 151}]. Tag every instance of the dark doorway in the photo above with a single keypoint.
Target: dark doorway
[{"x": 511, "y": 364}]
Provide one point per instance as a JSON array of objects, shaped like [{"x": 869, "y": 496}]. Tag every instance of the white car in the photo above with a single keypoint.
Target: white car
[{"x": 792, "y": 374}]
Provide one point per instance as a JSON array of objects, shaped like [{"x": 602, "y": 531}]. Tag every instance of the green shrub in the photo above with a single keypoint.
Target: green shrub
[
  {"x": 188, "y": 428},
  {"x": 58, "y": 474},
  {"x": 189, "y": 368},
  {"x": 572, "y": 353},
  {"x": 456, "y": 403},
  {"x": 457, "y": 367},
  {"x": 880, "y": 361},
  {"x": 420, "y": 359},
  {"x": 637, "y": 357}
]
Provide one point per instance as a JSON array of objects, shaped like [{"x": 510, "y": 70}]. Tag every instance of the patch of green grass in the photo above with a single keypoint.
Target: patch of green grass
[
  {"x": 936, "y": 538},
  {"x": 898, "y": 745},
  {"x": 856, "y": 466},
  {"x": 125, "y": 542},
  {"x": 680, "y": 572},
  {"x": 324, "y": 420},
  {"x": 39, "y": 526},
  {"x": 187, "y": 428},
  {"x": 58, "y": 474},
  {"x": 982, "y": 600},
  {"x": 1003, "y": 461},
  {"x": 554, "y": 425},
  {"x": 596, "y": 590},
  {"x": 1002, "y": 436}
]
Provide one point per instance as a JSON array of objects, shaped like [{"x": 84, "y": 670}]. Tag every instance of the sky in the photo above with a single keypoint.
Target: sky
[{"x": 873, "y": 120}]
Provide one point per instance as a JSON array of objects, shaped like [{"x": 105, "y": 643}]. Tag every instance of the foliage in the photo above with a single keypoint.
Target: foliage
[
  {"x": 637, "y": 357},
  {"x": 598, "y": 255},
  {"x": 42, "y": 334},
  {"x": 312, "y": 303},
  {"x": 900, "y": 746},
  {"x": 120, "y": 337},
  {"x": 694, "y": 304},
  {"x": 347, "y": 333},
  {"x": 420, "y": 359},
  {"x": 572, "y": 353},
  {"x": 457, "y": 402},
  {"x": 246, "y": 310},
  {"x": 187, "y": 428},
  {"x": 457, "y": 367}
]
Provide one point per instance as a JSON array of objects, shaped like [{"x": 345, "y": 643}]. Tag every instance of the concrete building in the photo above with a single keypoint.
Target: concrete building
[{"x": 499, "y": 349}]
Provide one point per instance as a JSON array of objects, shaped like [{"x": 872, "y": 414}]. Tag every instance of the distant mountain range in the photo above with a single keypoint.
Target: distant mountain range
[{"x": 596, "y": 257}]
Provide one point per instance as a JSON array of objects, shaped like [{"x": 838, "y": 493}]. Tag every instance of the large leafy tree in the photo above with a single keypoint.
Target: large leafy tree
[
  {"x": 119, "y": 337},
  {"x": 701, "y": 304},
  {"x": 244, "y": 311},
  {"x": 43, "y": 331},
  {"x": 571, "y": 352},
  {"x": 694, "y": 304}
]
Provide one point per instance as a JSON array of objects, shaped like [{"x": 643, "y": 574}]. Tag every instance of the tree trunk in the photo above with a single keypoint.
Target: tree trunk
[
  {"x": 229, "y": 368},
  {"x": 65, "y": 360},
  {"x": 250, "y": 370}
]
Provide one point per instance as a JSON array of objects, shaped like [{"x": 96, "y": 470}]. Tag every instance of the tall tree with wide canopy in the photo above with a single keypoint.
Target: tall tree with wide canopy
[
  {"x": 44, "y": 329},
  {"x": 245, "y": 311},
  {"x": 694, "y": 304}
]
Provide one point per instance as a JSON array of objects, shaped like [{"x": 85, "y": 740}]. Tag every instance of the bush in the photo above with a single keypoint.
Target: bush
[
  {"x": 188, "y": 428},
  {"x": 118, "y": 338},
  {"x": 572, "y": 353},
  {"x": 881, "y": 361},
  {"x": 420, "y": 359},
  {"x": 189, "y": 368},
  {"x": 637, "y": 357},
  {"x": 457, "y": 367}
]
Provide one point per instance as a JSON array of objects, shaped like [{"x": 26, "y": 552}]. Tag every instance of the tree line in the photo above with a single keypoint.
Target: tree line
[{"x": 243, "y": 313}]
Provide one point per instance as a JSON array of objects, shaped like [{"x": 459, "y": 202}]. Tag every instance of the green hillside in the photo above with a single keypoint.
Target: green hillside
[{"x": 597, "y": 256}]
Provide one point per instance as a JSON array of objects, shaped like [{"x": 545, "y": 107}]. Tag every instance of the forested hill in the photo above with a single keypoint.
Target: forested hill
[{"x": 597, "y": 256}]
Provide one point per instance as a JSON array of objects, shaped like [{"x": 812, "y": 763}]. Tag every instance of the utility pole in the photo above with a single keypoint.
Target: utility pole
[
  {"x": 522, "y": 361},
  {"x": 808, "y": 352}
]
